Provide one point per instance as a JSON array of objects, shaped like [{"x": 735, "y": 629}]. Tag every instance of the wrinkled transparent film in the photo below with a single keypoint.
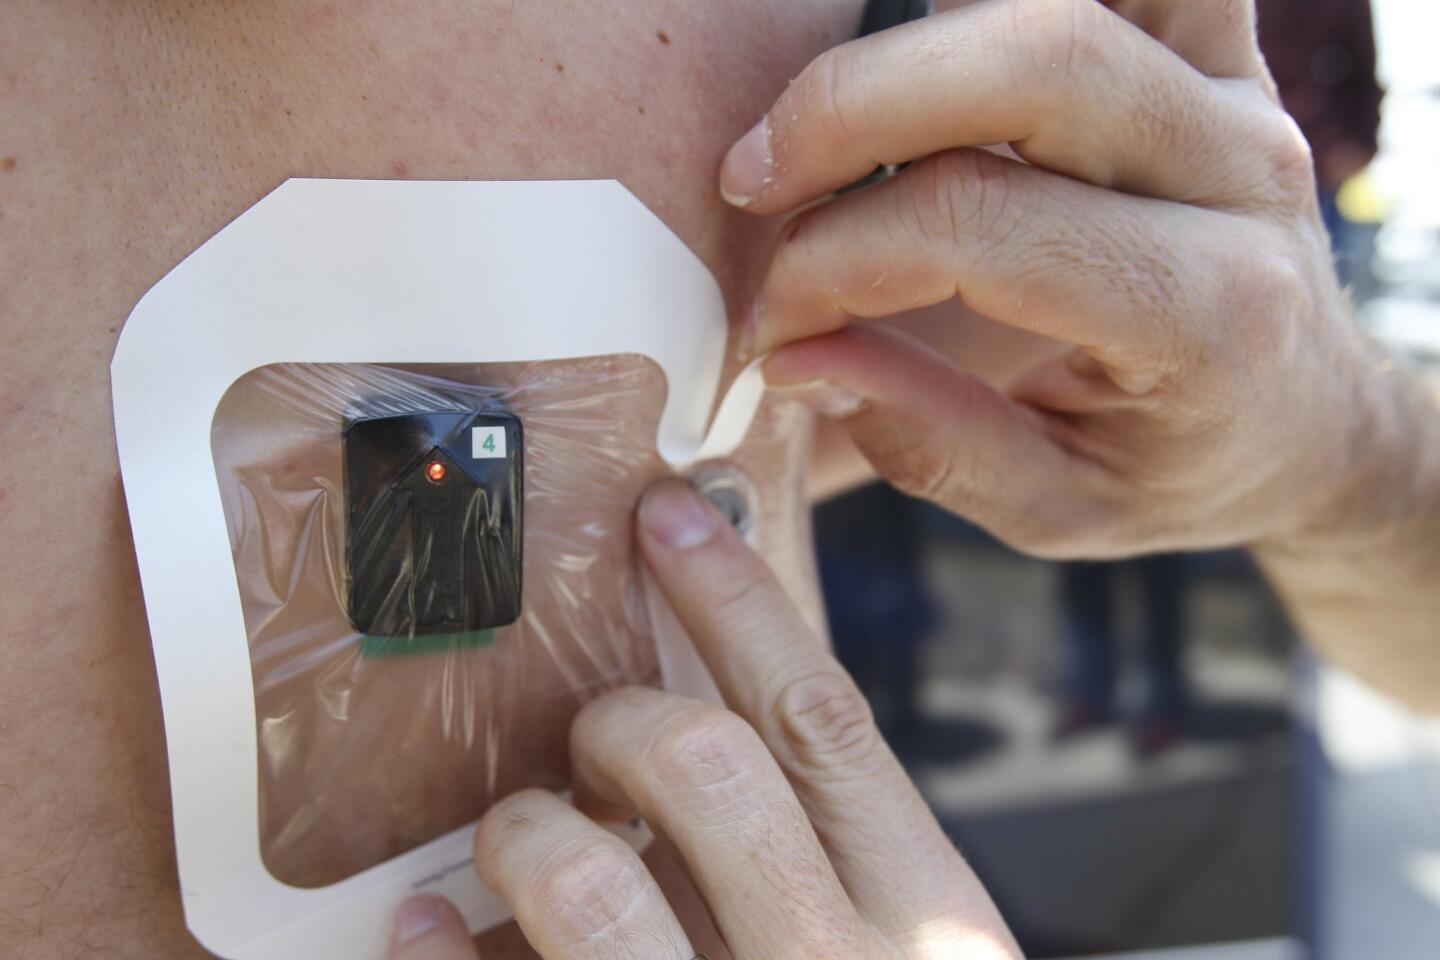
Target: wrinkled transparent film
[{"x": 396, "y": 698}]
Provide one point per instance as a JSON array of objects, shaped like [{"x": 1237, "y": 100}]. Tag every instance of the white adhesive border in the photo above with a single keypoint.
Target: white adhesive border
[{"x": 354, "y": 271}]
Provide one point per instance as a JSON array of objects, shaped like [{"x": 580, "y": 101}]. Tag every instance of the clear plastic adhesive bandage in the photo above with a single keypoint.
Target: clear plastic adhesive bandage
[{"x": 381, "y": 444}]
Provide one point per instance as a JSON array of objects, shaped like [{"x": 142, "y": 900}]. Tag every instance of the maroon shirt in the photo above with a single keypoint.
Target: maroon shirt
[{"x": 1322, "y": 53}]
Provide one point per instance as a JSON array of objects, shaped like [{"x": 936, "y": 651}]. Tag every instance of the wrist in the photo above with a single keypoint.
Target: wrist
[{"x": 1384, "y": 467}]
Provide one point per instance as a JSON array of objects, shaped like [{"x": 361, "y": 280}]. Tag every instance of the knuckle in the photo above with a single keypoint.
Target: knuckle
[
  {"x": 1143, "y": 287},
  {"x": 1179, "y": 126},
  {"x": 745, "y": 602},
  {"x": 1263, "y": 303},
  {"x": 963, "y": 480},
  {"x": 591, "y": 888},
  {"x": 705, "y": 750},
  {"x": 1151, "y": 287},
  {"x": 1287, "y": 159},
  {"x": 826, "y": 721},
  {"x": 1064, "y": 36},
  {"x": 956, "y": 193},
  {"x": 931, "y": 474},
  {"x": 826, "y": 97}
]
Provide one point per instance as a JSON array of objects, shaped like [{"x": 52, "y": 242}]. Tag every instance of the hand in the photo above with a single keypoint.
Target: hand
[
  {"x": 1163, "y": 223},
  {"x": 797, "y": 825}
]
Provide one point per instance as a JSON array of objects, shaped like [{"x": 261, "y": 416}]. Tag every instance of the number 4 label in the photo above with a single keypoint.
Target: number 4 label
[{"x": 487, "y": 443}]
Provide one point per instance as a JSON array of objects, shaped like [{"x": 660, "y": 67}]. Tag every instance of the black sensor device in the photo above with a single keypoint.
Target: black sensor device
[
  {"x": 884, "y": 14},
  {"x": 434, "y": 522}
]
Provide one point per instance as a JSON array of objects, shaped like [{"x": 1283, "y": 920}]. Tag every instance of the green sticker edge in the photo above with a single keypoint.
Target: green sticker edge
[{"x": 372, "y": 647}]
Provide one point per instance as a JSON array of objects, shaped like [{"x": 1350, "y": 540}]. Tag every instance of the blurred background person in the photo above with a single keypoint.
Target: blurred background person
[
  {"x": 1322, "y": 56},
  {"x": 1088, "y": 595}
]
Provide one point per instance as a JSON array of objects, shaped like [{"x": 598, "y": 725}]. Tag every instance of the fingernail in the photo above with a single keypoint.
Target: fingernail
[
  {"x": 823, "y": 397},
  {"x": 748, "y": 167},
  {"x": 419, "y": 916},
  {"x": 676, "y": 516}
]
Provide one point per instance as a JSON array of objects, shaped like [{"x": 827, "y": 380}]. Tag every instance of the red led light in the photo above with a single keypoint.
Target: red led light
[{"x": 435, "y": 471}]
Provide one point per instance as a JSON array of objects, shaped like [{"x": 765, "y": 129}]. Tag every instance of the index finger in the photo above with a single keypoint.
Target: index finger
[
  {"x": 779, "y": 675},
  {"x": 429, "y": 928},
  {"x": 1072, "y": 87}
]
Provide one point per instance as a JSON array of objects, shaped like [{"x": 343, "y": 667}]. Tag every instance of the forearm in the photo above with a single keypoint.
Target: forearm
[{"x": 1364, "y": 584}]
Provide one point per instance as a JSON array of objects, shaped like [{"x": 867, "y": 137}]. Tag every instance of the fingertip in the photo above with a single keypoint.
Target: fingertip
[
  {"x": 845, "y": 356},
  {"x": 834, "y": 373},
  {"x": 428, "y": 927},
  {"x": 593, "y": 792},
  {"x": 609, "y": 806},
  {"x": 748, "y": 167},
  {"x": 785, "y": 366},
  {"x": 823, "y": 397},
  {"x": 675, "y": 517}
]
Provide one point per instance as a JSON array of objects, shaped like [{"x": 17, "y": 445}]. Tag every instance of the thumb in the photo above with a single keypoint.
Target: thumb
[
  {"x": 939, "y": 433},
  {"x": 429, "y": 928}
]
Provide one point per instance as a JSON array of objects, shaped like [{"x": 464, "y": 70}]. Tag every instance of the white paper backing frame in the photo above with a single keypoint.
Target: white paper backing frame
[{"x": 365, "y": 271}]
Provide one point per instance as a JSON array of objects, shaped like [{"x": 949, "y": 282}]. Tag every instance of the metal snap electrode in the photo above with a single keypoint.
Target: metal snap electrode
[{"x": 731, "y": 491}]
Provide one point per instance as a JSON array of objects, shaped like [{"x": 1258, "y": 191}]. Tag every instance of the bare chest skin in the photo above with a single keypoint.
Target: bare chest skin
[{"x": 131, "y": 133}]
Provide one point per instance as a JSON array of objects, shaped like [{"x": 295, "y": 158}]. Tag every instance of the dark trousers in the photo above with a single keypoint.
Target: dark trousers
[{"x": 1088, "y": 604}]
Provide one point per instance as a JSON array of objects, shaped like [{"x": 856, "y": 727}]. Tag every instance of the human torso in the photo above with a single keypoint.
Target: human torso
[{"x": 131, "y": 133}]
